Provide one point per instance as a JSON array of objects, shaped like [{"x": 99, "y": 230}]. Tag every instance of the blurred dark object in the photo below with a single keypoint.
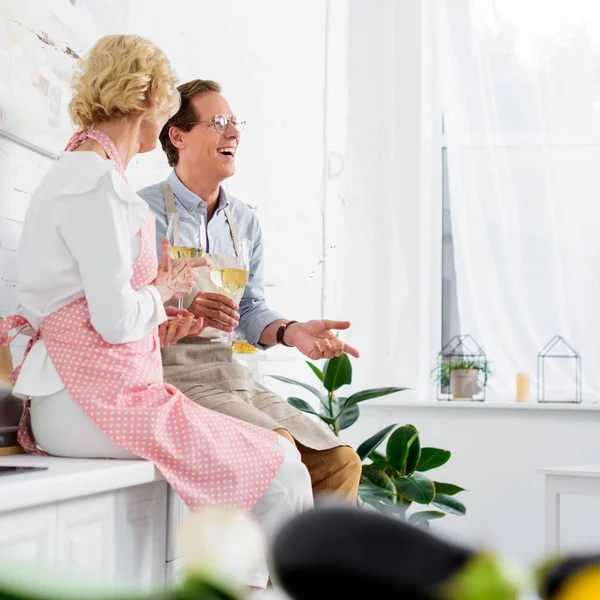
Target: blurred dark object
[
  {"x": 366, "y": 554},
  {"x": 361, "y": 554},
  {"x": 570, "y": 578},
  {"x": 10, "y": 407}
]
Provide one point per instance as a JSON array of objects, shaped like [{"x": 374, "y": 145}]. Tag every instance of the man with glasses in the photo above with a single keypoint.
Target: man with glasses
[{"x": 201, "y": 142}]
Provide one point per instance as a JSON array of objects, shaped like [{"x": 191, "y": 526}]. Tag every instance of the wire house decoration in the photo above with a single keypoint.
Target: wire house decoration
[
  {"x": 559, "y": 372},
  {"x": 461, "y": 370}
]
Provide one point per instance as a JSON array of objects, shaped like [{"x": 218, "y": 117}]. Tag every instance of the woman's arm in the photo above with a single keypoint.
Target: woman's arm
[{"x": 95, "y": 229}]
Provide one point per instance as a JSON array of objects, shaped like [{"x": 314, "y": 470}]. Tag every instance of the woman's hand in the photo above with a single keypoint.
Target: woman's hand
[
  {"x": 175, "y": 277},
  {"x": 180, "y": 324}
]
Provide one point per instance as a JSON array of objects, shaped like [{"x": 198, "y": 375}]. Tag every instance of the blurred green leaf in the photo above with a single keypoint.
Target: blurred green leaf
[
  {"x": 373, "y": 442},
  {"x": 302, "y": 405},
  {"x": 414, "y": 455},
  {"x": 417, "y": 488},
  {"x": 310, "y": 388},
  {"x": 448, "y": 489},
  {"x": 349, "y": 417},
  {"x": 315, "y": 370},
  {"x": 328, "y": 420},
  {"x": 373, "y": 476},
  {"x": 374, "y": 393},
  {"x": 426, "y": 515},
  {"x": 431, "y": 458},
  {"x": 399, "y": 445},
  {"x": 337, "y": 372},
  {"x": 450, "y": 504}
]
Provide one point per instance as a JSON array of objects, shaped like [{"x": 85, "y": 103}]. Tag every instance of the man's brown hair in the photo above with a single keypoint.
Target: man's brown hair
[{"x": 186, "y": 116}]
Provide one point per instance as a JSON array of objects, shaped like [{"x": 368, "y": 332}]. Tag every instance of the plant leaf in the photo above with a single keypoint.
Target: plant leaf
[
  {"x": 417, "y": 488},
  {"x": 328, "y": 420},
  {"x": 310, "y": 388},
  {"x": 374, "y": 441},
  {"x": 450, "y": 504},
  {"x": 431, "y": 458},
  {"x": 414, "y": 456},
  {"x": 315, "y": 370},
  {"x": 348, "y": 417},
  {"x": 337, "y": 372},
  {"x": 448, "y": 489},
  {"x": 379, "y": 460},
  {"x": 374, "y": 393},
  {"x": 302, "y": 405},
  {"x": 372, "y": 475},
  {"x": 399, "y": 445},
  {"x": 425, "y": 515}
]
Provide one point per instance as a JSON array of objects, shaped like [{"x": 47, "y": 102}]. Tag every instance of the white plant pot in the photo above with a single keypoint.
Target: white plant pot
[{"x": 462, "y": 384}]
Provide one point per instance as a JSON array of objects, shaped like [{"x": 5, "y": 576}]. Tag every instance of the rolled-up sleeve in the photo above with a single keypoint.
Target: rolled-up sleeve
[
  {"x": 102, "y": 249},
  {"x": 255, "y": 315}
]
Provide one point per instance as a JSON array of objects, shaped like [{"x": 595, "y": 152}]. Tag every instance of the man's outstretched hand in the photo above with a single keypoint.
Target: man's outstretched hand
[{"x": 315, "y": 339}]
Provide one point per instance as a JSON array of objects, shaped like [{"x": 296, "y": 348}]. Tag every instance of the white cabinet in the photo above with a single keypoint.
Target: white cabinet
[
  {"x": 118, "y": 537},
  {"x": 30, "y": 534},
  {"x": 141, "y": 533},
  {"x": 86, "y": 536},
  {"x": 177, "y": 513},
  {"x": 175, "y": 572}
]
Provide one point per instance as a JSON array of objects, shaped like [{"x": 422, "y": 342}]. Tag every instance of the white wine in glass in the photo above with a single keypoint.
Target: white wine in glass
[
  {"x": 229, "y": 281},
  {"x": 187, "y": 235},
  {"x": 229, "y": 275},
  {"x": 186, "y": 252}
]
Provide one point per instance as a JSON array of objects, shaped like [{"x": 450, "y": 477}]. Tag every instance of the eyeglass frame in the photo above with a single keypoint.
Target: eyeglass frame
[{"x": 229, "y": 121}]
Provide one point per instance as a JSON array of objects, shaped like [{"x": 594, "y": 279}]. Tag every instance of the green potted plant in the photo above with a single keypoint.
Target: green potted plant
[
  {"x": 465, "y": 376},
  {"x": 393, "y": 481}
]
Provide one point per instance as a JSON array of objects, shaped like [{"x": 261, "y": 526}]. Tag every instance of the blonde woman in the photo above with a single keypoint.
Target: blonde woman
[{"x": 92, "y": 296}]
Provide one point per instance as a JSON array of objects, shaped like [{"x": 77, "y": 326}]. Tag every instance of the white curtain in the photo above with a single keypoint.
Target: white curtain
[{"x": 520, "y": 83}]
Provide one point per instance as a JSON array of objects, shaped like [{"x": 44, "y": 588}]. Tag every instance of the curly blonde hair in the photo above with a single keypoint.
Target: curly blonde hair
[{"x": 123, "y": 76}]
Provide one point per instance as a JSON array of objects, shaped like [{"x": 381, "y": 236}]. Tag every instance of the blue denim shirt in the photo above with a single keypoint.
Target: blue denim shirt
[{"x": 255, "y": 315}]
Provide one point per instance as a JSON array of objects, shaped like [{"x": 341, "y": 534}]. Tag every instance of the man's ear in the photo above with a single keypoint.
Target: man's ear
[{"x": 177, "y": 137}]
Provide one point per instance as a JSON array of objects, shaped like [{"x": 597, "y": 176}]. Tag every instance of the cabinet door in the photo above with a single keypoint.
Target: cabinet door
[
  {"x": 86, "y": 537},
  {"x": 141, "y": 523},
  {"x": 175, "y": 571},
  {"x": 177, "y": 513},
  {"x": 30, "y": 534}
]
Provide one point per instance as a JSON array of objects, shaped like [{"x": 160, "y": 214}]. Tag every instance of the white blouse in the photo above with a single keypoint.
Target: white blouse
[{"x": 81, "y": 237}]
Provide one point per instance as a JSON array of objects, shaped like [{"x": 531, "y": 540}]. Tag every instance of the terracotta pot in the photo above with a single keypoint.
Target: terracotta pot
[{"x": 462, "y": 383}]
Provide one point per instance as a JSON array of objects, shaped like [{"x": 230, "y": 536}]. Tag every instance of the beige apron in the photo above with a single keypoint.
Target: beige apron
[{"x": 207, "y": 373}]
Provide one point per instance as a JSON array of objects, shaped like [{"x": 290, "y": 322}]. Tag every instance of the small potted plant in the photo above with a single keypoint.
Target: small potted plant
[{"x": 463, "y": 376}]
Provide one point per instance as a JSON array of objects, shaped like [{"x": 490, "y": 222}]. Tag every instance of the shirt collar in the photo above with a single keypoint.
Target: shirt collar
[{"x": 188, "y": 199}]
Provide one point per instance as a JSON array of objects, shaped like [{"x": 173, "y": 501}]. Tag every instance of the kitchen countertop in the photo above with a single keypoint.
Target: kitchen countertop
[{"x": 68, "y": 478}]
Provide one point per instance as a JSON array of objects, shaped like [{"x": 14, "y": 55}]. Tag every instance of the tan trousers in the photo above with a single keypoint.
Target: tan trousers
[{"x": 333, "y": 472}]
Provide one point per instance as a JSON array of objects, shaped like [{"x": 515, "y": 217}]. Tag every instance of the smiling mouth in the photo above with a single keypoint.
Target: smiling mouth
[{"x": 230, "y": 152}]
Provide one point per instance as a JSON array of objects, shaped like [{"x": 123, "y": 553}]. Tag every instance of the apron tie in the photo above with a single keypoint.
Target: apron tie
[{"x": 24, "y": 433}]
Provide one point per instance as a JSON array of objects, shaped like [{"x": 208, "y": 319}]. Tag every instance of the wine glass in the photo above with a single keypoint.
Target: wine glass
[
  {"x": 187, "y": 235},
  {"x": 229, "y": 274}
]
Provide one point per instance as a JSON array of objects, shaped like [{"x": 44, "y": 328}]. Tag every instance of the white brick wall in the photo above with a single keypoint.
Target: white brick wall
[{"x": 20, "y": 171}]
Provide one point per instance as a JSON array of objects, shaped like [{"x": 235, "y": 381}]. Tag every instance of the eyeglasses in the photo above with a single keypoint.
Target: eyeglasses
[{"x": 221, "y": 123}]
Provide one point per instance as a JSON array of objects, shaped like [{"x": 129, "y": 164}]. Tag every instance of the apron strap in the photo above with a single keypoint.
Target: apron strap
[
  {"x": 172, "y": 209},
  {"x": 233, "y": 231}
]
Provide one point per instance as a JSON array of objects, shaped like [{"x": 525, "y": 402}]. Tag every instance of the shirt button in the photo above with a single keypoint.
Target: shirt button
[{"x": 190, "y": 210}]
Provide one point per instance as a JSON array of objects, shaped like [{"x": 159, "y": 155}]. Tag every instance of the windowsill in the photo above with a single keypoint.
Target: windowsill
[{"x": 474, "y": 405}]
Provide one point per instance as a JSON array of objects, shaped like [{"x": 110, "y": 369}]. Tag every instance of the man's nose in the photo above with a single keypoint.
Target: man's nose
[{"x": 232, "y": 131}]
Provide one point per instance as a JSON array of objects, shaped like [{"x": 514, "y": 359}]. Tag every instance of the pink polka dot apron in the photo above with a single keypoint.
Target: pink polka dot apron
[{"x": 207, "y": 457}]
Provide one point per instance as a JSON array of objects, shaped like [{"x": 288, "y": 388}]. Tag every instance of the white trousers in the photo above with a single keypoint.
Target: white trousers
[{"x": 62, "y": 428}]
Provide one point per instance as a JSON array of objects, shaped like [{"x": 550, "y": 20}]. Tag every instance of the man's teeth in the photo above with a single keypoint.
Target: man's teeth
[{"x": 227, "y": 151}]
